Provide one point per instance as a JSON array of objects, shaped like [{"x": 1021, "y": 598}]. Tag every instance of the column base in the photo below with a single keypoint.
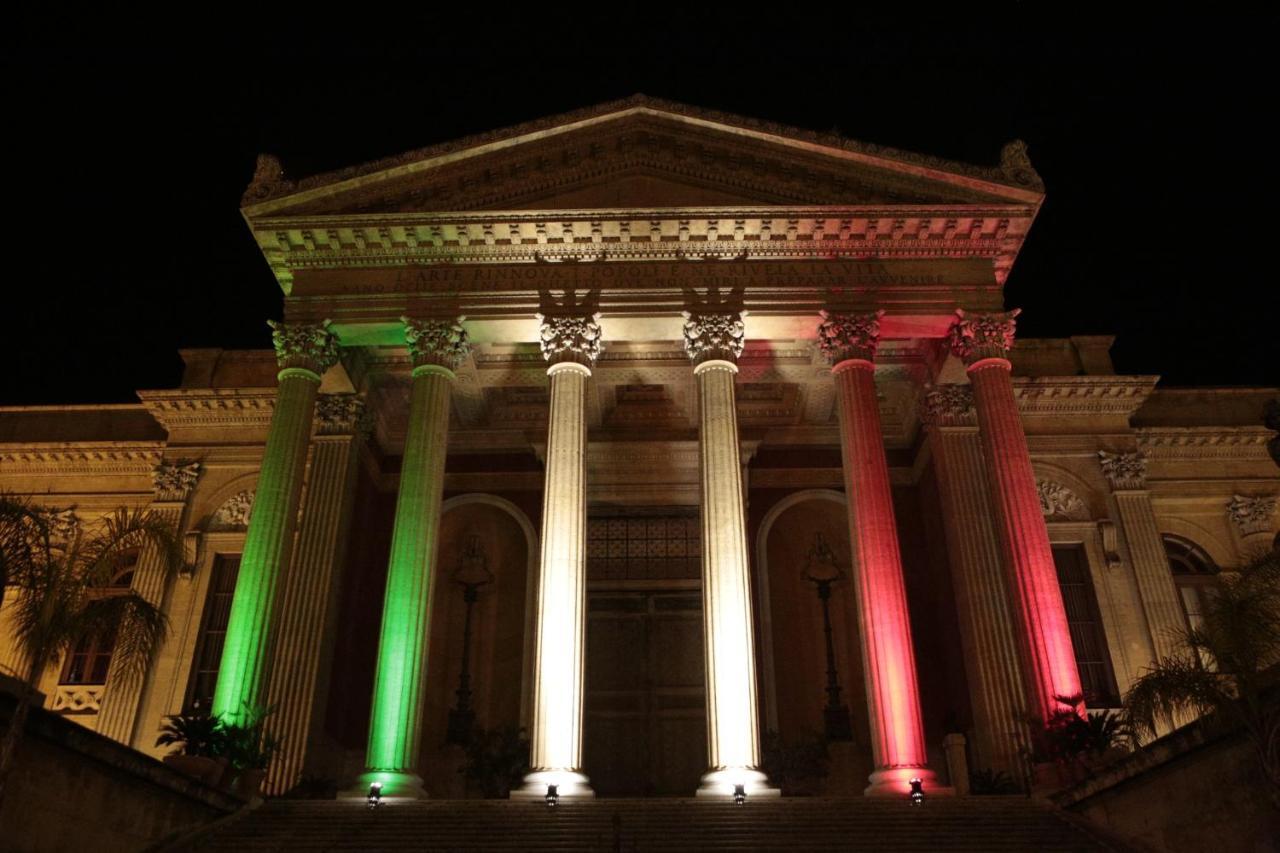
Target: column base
[
  {"x": 569, "y": 783},
  {"x": 395, "y": 786},
  {"x": 896, "y": 782},
  {"x": 720, "y": 783}
]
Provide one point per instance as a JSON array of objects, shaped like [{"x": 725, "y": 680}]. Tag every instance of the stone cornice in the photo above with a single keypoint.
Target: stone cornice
[
  {"x": 189, "y": 408},
  {"x": 1082, "y": 395},
  {"x": 82, "y": 458},
  {"x": 1245, "y": 443}
]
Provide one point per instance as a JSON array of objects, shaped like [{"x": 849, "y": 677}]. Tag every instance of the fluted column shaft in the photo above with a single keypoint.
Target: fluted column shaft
[
  {"x": 571, "y": 344},
  {"x": 300, "y": 674},
  {"x": 304, "y": 352},
  {"x": 399, "y": 686},
  {"x": 987, "y": 634},
  {"x": 1048, "y": 659}
]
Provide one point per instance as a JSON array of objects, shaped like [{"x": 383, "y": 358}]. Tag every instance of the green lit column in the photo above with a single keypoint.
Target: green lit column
[
  {"x": 395, "y": 725},
  {"x": 304, "y": 351}
]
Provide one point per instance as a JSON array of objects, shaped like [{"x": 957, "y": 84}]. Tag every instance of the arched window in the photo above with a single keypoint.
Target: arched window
[
  {"x": 1194, "y": 574},
  {"x": 90, "y": 658}
]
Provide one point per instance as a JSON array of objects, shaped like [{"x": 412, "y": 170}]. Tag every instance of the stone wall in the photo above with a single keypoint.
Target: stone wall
[{"x": 73, "y": 789}]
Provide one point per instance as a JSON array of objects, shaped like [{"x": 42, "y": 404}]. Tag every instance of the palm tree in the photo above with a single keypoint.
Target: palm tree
[
  {"x": 57, "y": 605},
  {"x": 1226, "y": 665}
]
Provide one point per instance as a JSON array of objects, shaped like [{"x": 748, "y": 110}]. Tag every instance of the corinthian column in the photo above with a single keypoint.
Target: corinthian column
[
  {"x": 714, "y": 341},
  {"x": 849, "y": 342},
  {"x": 1049, "y": 663},
  {"x": 437, "y": 347},
  {"x": 571, "y": 345},
  {"x": 987, "y": 636},
  {"x": 299, "y": 687},
  {"x": 304, "y": 352},
  {"x": 122, "y": 694}
]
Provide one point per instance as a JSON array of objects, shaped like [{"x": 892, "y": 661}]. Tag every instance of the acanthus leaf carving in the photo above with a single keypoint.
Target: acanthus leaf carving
[
  {"x": 310, "y": 346},
  {"x": 1124, "y": 470},
  {"x": 570, "y": 338},
  {"x": 341, "y": 414},
  {"x": 845, "y": 336},
  {"x": 978, "y": 336},
  {"x": 1059, "y": 502},
  {"x": 173, "y": 481},
  {"x": 1251, "y": 514},
  {"x": 709, "y": 336},
  {"x": 948, "y": 404},
  {"x": 442, "y": 342}
]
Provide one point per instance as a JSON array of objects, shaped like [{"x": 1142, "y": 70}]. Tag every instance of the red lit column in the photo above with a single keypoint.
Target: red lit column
[
  {"x": 1049, "y": 664},
  {"x": 893, "y": 698}
]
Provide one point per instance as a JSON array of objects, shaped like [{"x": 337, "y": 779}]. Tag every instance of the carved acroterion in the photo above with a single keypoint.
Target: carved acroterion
[{"x": 845, "y": 336}]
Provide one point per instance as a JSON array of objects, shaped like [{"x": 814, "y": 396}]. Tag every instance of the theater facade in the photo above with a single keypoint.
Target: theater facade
[{"x": 672, "y": 438}]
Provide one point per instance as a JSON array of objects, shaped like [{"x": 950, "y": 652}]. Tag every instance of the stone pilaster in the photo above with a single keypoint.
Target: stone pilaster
[
  {"x": 304, "y": 352},
  {"x": 997, "y": 696},
  {"x": 299, "y": 684},
  {"x": 173, "y": 483},
  {"x": 570, "y": 345},
  {"x": 395, "y": 725},
  {"x": 1049, "y": 666},
  {"x": 713, "y": 342},
  {"x": 849, "y": 342},
  {"x": 1126, "y": 473}
]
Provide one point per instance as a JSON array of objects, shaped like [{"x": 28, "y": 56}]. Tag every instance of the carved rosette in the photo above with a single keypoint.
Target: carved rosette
[
  {"x": 710, "y": 337},
  {"x": 173, "y": 481},
  {"x": 948, "y": 404},
  {"x": 1251, "y": 514},
  {"x": 1059, "y": 502},
  {"x": 845, "y": 336},
  {"x": 441, "y": 342},
  {"x": 979, "y": 336},
  {"x": 341, "y": 414},
  {"x": 1124, "y": 470},
  {"x": 235, "y": 512},
  {"x": 576, "y": 339},
  {"x": 311, "y": 346}
]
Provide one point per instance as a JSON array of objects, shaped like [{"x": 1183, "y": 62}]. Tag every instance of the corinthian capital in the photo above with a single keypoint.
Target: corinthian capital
[
  {"x": 173, "y": 481},
  {"x": 442, "y": 342},
  {"x": 340, "y": 414},
  {"x": 714, "y": 336},
  {"x": 948, "y": 405},
  {"x": 978, "y": 336},
  {"x": 576, "y": 339},
  {"x": 1124, "y": 470},
  {"x": 845, "y": 336},
  {"x": 311, "y": 346},
  {"x": 1251, "y": 514}
]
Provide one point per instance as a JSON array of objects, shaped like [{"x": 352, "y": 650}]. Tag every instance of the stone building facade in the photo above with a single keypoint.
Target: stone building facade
[{"x": 582, "y": 426}]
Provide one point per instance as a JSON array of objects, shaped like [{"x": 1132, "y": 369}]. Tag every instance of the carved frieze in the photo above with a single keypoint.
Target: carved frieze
[
  {"x": 234, "y": 514},
  {"x": 1195, "y": 443},
  {"x": 1252, "y": 514},
  {"x": 978, "y": 336},
  {"x": 710, "y": 336},
  {"x": 1059, "y": 503},
  {"x": 91, "y": 458},
  {"x": 173, "y": 481},
  {"x": 311, "y": 346},
  {"x": 948, "y": 404},
  {"x": 1124, "y": 470},
  {"x": 568, "y": 338},
  {"x": 342, "y": 414},
  {"x": 846, "y": 336},
  {"x": 442, "y": 342}
]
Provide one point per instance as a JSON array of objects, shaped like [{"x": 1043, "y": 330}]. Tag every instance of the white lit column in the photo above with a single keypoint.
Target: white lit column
[
  {"x": 571, "y": 345},
  {"x": 714, "y": 341}
]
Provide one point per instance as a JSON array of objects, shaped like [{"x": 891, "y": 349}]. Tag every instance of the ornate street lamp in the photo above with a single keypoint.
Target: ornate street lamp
[
  {"x": 471, "y": 573},
  {"x": 820, "y": 569}
]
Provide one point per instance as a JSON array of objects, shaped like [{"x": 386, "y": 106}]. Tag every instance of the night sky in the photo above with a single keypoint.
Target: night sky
[{"x": 128, "y": 150}]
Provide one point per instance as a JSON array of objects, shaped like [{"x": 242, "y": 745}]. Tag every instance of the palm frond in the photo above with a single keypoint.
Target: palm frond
[
  {"x": 1177, "y": 683},
  {"x": 123, "y": 531},
  {"x": 138, "y": 627}
]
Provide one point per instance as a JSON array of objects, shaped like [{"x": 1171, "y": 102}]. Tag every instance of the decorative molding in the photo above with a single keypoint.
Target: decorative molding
[
  {"x": 1197, "y": 443},
  {"x": 193, "y": 408},
  {"x": 1251, "y": 514},
  {"x": 1059, "y": 502},
  {"x": 714, "y": 336},
  {"x": 310, "y": 346},
  {"x": 1110, "y": 536},
  {"x": 173, "y": 481},
  {"x": 1124, "y": 470},
  {"x": 442, "y": 342},
  {"x": 948, "y": 404},
  {"x": 342, "y": 414},
  {"x": 234, "y": 514},
  {"x": 845, "y": 336},
  {"x": 978, "y": 336},
  {"x": 576, "y": 339},
  {"x": 89, "y": 458},
  {"x": 1082, "y": 395},
  {"x": 78, "y": 698}
]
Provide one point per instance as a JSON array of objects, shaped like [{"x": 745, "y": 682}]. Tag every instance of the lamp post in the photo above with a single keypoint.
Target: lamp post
[
  {"x": 820, "y": 569},
  {"x": 471, "y": 573}
]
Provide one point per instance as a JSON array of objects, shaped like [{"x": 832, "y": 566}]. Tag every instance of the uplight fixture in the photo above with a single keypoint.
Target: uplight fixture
[
  {"x": 740, "y": 795},
  {"x": 553, "y": 796},
  {"x": 917, "y": 792},
  {"x": 375, "y": 795}
]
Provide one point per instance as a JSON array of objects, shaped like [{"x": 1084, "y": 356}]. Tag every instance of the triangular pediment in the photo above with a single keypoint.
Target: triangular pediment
[{"x": 642, "y": 154}]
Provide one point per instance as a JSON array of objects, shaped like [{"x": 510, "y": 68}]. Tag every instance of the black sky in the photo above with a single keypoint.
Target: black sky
[{"x": 128, "y": 148}]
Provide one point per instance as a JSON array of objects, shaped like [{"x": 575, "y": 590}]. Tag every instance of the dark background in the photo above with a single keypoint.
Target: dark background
[{"x": 129, "y": 144}]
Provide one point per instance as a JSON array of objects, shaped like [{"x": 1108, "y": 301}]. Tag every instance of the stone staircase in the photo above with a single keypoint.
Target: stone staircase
[{"x": 988, "y": 824}]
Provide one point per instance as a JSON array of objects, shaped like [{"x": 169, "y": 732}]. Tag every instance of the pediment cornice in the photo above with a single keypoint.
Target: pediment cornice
[
  {"x": 194, "y": 408},
  {"x": 81, "y": 458},
  {"x": 1082, "y": 395}
]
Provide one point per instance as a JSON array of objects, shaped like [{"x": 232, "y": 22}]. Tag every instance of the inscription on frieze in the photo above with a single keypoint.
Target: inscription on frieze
[{"x": 836, "y": 275}]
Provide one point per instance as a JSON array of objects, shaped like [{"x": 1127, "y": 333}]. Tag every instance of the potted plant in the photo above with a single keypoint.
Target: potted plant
[
  {"x": 250, "y": 748},
  {"x": 200, "y": 740}
]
